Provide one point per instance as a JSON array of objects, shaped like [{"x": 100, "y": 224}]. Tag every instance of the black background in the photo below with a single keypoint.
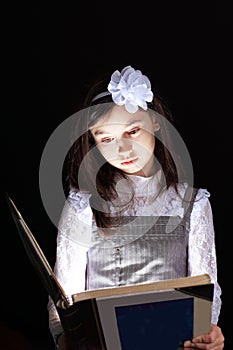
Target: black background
[{"x": 48, "y": 54}]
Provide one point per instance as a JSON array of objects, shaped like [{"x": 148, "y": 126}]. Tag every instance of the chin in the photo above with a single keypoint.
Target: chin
[{"x": 138, "y": 172}]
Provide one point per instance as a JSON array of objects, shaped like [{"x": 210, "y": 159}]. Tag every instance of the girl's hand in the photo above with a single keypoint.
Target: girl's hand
[{"x": 214, "y": 340}]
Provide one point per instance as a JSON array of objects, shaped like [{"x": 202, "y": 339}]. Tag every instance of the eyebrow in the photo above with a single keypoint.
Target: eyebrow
[{"x": 101, "y": 132}]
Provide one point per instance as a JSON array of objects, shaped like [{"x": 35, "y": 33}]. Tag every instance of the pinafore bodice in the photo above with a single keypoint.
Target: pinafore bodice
[{"x": 142, "y": 249}]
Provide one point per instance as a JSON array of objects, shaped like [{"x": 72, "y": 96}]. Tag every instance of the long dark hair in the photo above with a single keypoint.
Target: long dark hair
[{"x": 85, "y": 168}]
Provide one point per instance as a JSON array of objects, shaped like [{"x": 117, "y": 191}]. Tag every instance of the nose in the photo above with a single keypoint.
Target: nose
[{"x": 124, "y": 147}]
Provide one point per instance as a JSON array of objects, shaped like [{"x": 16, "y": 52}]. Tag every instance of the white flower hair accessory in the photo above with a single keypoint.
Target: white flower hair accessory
[{"x": 130, "y": 88}]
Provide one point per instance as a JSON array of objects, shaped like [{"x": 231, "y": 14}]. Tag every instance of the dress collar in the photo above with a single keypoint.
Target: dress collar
[{"x": 147, "y": 185}]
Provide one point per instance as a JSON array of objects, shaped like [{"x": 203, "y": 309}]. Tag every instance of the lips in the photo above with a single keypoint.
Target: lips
[{"x": 129, "y": 161}]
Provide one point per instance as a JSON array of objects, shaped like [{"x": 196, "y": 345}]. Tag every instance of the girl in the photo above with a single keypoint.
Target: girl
[{"x": 123, "y": 167}]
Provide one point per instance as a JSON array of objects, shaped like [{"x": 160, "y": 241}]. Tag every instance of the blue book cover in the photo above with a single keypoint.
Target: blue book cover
[{"x": 164, "y": 325}]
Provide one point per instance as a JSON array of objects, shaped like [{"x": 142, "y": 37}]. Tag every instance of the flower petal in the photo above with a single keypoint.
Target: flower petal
[{"x": 130, "y": 107}]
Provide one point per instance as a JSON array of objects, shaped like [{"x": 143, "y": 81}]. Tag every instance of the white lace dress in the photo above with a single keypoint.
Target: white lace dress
[{"x": 76, "y": 227}]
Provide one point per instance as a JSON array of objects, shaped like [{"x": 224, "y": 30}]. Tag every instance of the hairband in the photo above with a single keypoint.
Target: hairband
[{"x": 102, "y": 94}]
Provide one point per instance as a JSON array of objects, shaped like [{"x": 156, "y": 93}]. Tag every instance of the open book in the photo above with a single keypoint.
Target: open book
[{"x": 159, "y": 315}]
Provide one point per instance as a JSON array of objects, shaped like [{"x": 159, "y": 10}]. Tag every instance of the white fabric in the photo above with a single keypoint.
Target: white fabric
[
  {"x": 130, "y": 88},
  {"x": 74, "y": 236}
]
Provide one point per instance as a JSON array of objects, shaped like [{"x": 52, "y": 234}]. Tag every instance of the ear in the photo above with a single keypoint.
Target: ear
[{"x": 156, "y": 126}]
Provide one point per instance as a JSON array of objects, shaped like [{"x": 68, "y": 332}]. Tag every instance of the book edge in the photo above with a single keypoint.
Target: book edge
[{"x": 144, "y": 287}]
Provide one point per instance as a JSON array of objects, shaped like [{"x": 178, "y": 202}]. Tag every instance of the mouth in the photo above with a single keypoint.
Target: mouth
[{"x": 129, "y": 161}]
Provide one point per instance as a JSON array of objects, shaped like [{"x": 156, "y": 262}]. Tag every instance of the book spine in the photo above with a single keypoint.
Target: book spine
[{"x": 82, "y": 326}]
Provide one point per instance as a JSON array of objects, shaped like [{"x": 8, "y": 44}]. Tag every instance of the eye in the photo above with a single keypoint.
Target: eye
[
  {"x": 108, "y": 140},
  {"x": 134, "y": 131}
]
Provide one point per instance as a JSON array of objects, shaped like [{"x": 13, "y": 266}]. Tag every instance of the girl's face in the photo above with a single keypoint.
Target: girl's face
[{"x": 127, "y": 140}]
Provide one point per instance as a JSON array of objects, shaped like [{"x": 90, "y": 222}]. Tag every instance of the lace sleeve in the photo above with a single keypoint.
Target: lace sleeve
[
  {"x": 202, "y": 252},
  {"x": 72, "y": 243}
]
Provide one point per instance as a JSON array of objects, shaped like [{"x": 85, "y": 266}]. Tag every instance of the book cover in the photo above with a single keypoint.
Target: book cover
[{"x": 132, "y": 317}]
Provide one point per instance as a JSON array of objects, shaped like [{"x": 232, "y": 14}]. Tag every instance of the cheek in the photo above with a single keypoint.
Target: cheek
[
  {"x": 106, "y": 152},
  {"x": 147, "y": 142}
]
